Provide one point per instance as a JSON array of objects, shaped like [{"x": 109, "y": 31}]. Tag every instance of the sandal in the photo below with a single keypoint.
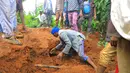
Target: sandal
[
  {"x": 13, "y": 41},
  {"x": 19, "y": 35}
]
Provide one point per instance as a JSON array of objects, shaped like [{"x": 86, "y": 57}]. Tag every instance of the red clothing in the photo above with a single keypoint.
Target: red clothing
[{"x": 117, "y": 71}]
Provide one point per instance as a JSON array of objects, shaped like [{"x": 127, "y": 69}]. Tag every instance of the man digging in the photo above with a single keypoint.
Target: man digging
[{"x": 71, "y": 38}]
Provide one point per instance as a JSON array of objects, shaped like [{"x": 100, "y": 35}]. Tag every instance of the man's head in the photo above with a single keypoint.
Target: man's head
[{"x": 55, "y": 31}]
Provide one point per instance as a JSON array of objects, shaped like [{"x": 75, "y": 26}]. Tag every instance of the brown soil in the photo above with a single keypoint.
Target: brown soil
[{"x": 35, "y": 50}]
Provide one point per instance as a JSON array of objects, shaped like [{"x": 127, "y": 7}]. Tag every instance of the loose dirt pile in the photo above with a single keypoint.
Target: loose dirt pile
[{"x": 35, "y": 50}]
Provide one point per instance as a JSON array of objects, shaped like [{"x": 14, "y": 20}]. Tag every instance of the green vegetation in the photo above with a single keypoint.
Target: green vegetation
[
  {"x": 103, "y": 14},
  {"x": 31, "y": 20}
]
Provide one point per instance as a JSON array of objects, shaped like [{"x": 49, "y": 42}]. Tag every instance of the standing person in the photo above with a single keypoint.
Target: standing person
[
  {"x": 66, "y": 14},
  {"x": 89, "y": 11},
  {"x": 120, "y": 16},
  {"x": 19, "y": 8},
  {"x": 71, "y": 38},
  {"x": 5, "y": 21},
  {"x": 48, "y": 10},
  {"x": 73, "y": 9},
  {"x": 59, "y": 12}
]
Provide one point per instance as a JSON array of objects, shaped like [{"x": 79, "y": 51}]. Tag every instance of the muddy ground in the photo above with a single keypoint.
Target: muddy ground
[{"x": 35, "y": 50}]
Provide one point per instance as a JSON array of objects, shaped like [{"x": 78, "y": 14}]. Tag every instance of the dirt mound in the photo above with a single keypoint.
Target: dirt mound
[
  {"x": 35, "y": 48},
  {"x": 40, "y": 40}
]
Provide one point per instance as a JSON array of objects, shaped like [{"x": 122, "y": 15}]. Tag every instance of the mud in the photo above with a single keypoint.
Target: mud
[{"x": 36, "y": 45}]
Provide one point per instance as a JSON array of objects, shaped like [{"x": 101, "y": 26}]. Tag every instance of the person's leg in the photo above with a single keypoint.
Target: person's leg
[
  {"x": 123, "y": 55},
  {"x": 47, "y": 19},
  {"x": 70, "y": 18},
  {"x": 80, "y": 23},
  {"x": 101, "y": 69},
  {"x": 67, "y": 20},
  {"x": 13, "y": 18},
  {"x": 106, "y": 57},
  {"x": 84, "y": 57},
  {"x": 74, "y": 21},
  {"x": 57, "y": 18},
  {"x": 50, "y": 19},
  {"x": 62, "y": 18},
  {"x": 5, "y": 23},
  {"x": 89, "y": 30},
  {"x": 92, "y": 63}
]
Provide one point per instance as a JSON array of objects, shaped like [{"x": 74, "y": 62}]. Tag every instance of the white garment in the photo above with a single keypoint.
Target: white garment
[
  {"x": 47, "y": 6},
  {"x": 42, "y": 18},
  {"x": 120, "y": 16},
  {"x": 13, "y": 17},
  {"x": 5, "y": 17}
]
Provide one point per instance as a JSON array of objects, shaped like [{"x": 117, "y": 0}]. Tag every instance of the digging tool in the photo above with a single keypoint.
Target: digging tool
[{"x": 47, "y": 66}]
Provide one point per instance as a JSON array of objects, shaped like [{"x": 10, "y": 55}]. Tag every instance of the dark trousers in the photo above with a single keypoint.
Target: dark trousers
[{"x": 81, "y": 19}]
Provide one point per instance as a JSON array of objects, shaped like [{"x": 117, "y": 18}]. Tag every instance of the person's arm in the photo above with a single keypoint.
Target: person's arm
[
  {"x": 59, "y": 46},
  {"x": 94, "y": 8},
  {"x": 67, "y": 41},
  {"x": 95, "y": 16},
  {"x": 81, "y": 4},
  {"x": 111, "y": 31}
]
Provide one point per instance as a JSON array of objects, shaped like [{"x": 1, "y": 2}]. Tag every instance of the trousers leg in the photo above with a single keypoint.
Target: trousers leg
[
  {"x": 70, "y": 18},
  {"x": 81, "y": 52},
  {"x": 74, "y": 21},
  {"x": 57, "y": 17},
  {"x": 62, "y": 18},
  {"x": 123, "y": 56},
  {"x": 89, "y": 24},
  {"x": 5, "y": 23},
  {"x": 49, "y": 19},
  {"x": 81, "y": 19}
]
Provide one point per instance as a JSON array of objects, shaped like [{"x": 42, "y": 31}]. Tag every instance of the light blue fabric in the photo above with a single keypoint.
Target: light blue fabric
[
  {"x": 81, "y": 51},
  {"x": 47, "y": 6},
  {"x": 5, "y": 18},
  {"x": 72, "y": 39},
  {"x": 1, "y": 28},
  {"x": 13, "y": 18}
]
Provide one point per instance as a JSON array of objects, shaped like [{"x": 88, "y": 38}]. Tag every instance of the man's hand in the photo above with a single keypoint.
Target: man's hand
[
  {"x": 114, "y": 41},
  {"x": 81, "y": 13},
  {"x": 95, "y": 17},
  {"x": 60, "y": 55}
]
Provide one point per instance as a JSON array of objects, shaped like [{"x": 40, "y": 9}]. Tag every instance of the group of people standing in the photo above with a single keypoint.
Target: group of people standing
[{"x": 70, "y": 13}]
